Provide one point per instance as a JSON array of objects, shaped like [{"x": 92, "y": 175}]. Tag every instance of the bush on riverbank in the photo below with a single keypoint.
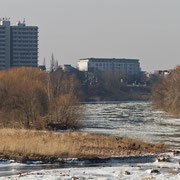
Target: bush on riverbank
[
  {"x": 27, "y": 100},
  {"x": 65, "y": 113},
  {"x": 166, "y": 93}
]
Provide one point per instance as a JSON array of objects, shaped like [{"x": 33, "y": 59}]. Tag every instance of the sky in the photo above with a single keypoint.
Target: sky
[{"x": 148, "y": 30}]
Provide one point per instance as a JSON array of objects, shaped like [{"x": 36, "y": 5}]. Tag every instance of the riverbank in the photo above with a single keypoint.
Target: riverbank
[
  {"x": 126, "y": 93},
  {"x": 29, "y": 145},
  {"x": 140, "y": 171},
  {"x": 165, "y": 166}
]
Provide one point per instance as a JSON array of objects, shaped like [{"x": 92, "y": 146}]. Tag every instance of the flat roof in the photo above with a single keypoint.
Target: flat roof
[{"x": 110, "y": 59}]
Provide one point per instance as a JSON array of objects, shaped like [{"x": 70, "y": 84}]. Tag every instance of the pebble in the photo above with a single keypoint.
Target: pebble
[
  {"x": 155, "y": 171},
  {"x": 127, "y": 172}
]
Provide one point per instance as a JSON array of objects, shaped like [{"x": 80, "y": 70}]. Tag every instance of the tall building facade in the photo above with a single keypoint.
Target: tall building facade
[
  {"x": 130, "y": 67},
  {"x": 18, "y": 45}
]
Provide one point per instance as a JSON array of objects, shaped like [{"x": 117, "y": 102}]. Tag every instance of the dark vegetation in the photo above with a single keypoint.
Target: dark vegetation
[
  {"x": 166, "y": 93},
  {"x": 111, "y": 87},
  {"x": 33, "y": 99}
]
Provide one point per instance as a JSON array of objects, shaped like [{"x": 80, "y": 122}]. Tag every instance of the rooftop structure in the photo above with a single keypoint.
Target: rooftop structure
[{"x": 68, "y": 67}]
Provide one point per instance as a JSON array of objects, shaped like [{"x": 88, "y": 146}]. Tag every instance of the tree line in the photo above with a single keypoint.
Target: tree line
[
  {"x": 110, "y": 86},
  {"x": 34, "y": 99},
  {"x": 106, "y": 86}
]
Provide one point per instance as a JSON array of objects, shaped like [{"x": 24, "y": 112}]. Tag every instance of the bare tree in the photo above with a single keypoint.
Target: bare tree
[
  {"x": 52, "y": 63},
  {"x": 56, "y": 65},
  {"x": 166, "y": 93},
  {"x": 44, "y": 62}
]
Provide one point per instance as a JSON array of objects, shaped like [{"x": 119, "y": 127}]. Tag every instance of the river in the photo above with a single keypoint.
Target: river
[
  {"x": 128, "y": 119},
  {"x": 133, "y": 120}
]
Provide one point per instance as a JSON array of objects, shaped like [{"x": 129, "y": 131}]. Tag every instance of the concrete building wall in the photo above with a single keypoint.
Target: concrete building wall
[
  {"x": 2, "y": 47},
  {"x": 125, "y": 66},
  {"x": 4, "y": 44},
  {"x": 18, "y": 45},
  {"x": 24, "y": 46},
  {"x": 83, "y": 65}
]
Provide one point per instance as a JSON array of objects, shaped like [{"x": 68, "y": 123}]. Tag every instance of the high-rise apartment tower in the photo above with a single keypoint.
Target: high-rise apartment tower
[{"x": 18, "y": 45}]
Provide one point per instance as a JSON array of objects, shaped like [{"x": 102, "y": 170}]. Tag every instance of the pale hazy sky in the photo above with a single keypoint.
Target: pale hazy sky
[{"x": 72, "y": 29}]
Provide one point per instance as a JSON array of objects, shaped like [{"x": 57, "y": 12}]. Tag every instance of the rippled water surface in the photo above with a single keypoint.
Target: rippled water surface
[{"x": 132, "y": 119}]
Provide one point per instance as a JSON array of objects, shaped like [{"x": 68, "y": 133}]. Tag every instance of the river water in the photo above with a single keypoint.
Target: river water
[
  {"x": 127, "y": 119},
  {"x": 133, "y": 120}
]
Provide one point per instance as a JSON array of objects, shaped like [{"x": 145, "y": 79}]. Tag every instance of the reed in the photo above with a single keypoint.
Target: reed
[{"x": 43, "y": 145}]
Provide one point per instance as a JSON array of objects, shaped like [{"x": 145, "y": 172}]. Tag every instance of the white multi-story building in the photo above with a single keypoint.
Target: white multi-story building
[
  {"x": 18, "y": 45},
  {"x": 125, "y": 66}
]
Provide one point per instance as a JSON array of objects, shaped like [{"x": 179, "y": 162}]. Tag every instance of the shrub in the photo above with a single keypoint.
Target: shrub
[
  {"x": 166, "y": 93},
  {"x": 65, "y": 112},
  {"x": 27, "y": 100}
]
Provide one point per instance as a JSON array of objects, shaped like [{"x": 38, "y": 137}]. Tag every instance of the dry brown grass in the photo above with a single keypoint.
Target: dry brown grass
[{"x": 41, "y": 145}]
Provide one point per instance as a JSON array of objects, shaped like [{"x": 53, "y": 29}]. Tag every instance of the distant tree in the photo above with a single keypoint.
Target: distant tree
[
  {"x": 152, "y": 79},
  {"x": 113, "y": 82},
  {"x": 64, "y": 83},
  {"x": 52, "y": 63},
  {"x": 56, "y": 65},
  {"x": 166, "y": 93},
  {"x": 44, "y": 62}
]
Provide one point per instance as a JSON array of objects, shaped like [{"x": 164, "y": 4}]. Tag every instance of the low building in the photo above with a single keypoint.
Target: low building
[
  {"x": 162, "y": 72},
  {"x": 69, "y": 68},
  {"x": 42, "y": 67},
  {"x": 128, "y": 67}
]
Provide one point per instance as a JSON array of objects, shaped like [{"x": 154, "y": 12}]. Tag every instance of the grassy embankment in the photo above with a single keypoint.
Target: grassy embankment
[{"x": 23, "y": 145}]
